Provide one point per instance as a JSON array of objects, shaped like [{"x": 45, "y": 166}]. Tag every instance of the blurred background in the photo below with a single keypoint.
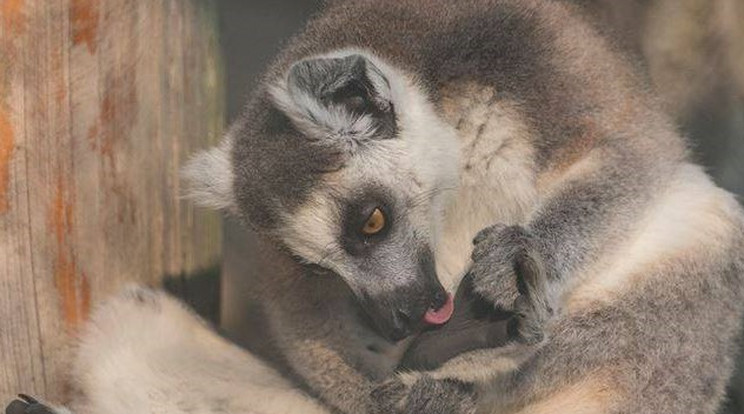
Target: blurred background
[{"x": 693, "y": 50}]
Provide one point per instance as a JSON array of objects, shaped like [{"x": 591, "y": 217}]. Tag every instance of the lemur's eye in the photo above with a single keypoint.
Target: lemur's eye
[{"x": 375, "y": 223}]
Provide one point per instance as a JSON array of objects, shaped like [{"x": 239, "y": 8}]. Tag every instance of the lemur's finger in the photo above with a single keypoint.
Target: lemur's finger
[
  {"x": 528, "y": 323},
  {"x": 488, "y": 232},
  {"x": 495, "y": 283}
]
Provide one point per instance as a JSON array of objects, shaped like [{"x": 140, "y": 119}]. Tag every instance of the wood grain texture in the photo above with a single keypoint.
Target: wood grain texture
[{"x": 101, "y": 101}]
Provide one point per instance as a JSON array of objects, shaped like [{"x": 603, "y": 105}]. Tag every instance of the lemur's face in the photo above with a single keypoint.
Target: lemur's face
[{"x": 345, "y": 162}]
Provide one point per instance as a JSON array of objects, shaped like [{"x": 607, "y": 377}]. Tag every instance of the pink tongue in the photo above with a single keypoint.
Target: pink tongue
[{"x": 441, "y": 315}]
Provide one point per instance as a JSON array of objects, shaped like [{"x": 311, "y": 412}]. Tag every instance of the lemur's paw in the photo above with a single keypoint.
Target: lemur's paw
[
  {"x": 29, "y": 405},
  {"x": 431, "y": 396},
  {"x": 425, "y": 395},
  {"x": 509, "y": 272},
  {"x": 501, "y": 258},
  {"x": 445, "y": 396},
  {"x": 389, "y": 397}
]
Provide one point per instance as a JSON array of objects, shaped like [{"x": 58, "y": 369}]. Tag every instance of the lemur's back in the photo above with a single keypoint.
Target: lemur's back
[{"x": 542, "y": 54}]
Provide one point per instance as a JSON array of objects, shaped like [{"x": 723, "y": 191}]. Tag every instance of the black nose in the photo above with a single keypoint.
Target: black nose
[
  {"x": 401, "y": 312},
  {"x": 440, "y": 298}
]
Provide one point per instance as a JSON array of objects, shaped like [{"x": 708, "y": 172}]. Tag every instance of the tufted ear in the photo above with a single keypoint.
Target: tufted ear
[
  {"x": 335, "y": 96},
  {"x": 209, "y": 177}
]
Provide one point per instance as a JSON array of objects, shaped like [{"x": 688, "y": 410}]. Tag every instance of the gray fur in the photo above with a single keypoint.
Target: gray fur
[
  {"x": 608, "y": 248},
  {"x": 342, "y": 98},
  {"x": 426, "y": 396},
  {"x": 509, "y": 272}
]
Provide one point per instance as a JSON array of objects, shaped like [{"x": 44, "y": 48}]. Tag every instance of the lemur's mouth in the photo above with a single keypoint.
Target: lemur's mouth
[{"x": 442, "y": 314}]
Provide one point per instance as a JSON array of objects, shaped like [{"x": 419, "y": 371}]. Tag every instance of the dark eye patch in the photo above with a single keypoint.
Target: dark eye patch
[{"x": 356, "y": 213}]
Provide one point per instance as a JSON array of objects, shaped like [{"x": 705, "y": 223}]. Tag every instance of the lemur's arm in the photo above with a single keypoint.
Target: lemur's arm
[
  {"x": 593, "y": 204},
  {"x": 319, "y": 330}
]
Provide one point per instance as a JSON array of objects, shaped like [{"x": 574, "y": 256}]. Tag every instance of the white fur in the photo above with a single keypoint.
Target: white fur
[
  {"x": 209, "y": 177},
  {"x": 317, "y": 120},
  {"x": 312, "y": 232},
  {"x": 320, "y": 121},
  {"x": 423, "y": 159},
  {"x": 144, "y": 353},
  {"x": 499, "y": 186},
  {"x": 431, "y": 156}
]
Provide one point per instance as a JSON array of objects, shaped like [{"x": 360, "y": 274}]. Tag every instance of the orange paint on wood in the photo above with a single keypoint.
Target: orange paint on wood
[
  {"x": 118, "y": 111},
  {"x": 84, "y": 15},
  {"x": 14, "y": 21},
  {"x": 6, "y": 153},
  {"x": 108, "y": 113},
  {"x": 92, "y": 136},
  {"x": 84, "y": 296},
  {"x": 74, "y": 305}
]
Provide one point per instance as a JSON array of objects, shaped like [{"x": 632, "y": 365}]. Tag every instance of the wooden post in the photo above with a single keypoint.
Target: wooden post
[{"x": 100, "y": 103}]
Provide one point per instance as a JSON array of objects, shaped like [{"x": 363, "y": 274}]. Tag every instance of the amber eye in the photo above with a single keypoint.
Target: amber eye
[{"x": 375, "y": 223}]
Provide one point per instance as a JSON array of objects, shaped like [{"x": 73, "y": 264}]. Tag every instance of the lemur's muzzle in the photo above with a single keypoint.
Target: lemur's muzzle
[{"x": 405, "y": 309}]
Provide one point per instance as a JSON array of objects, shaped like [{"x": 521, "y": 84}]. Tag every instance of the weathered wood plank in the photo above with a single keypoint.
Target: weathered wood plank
[{"x": 100, "y": 103}]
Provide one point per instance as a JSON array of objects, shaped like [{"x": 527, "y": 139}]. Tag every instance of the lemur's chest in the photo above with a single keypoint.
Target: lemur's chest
[{"x": 497, "y": 176}]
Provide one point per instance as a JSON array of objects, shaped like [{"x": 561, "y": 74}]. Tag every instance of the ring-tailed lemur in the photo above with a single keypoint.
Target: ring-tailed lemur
[{"x": 388, "y": 135}]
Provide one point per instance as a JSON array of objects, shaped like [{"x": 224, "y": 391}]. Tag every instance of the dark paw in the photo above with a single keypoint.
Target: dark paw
[
  {"x": 509, "y": 272},
  {"x": 28, "y": 405}
]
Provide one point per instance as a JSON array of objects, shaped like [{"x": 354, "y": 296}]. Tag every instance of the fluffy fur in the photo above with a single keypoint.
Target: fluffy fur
[
  {"x": 144, "y": 352},
  {"x": 604, "y": 241},
  {"x": 619, "y": 261}
]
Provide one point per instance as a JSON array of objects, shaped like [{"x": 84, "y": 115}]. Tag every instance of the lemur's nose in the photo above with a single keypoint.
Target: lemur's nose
[{"x": 440, "y": 298}]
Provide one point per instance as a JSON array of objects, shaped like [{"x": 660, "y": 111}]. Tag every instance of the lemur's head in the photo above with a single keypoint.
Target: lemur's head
[{"x": 343, "y": 161}]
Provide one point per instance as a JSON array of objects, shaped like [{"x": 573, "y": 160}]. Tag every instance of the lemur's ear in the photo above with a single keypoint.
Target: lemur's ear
[
  {"x": 209, "y": 178},
  {"x": 333, "y": 96}
]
